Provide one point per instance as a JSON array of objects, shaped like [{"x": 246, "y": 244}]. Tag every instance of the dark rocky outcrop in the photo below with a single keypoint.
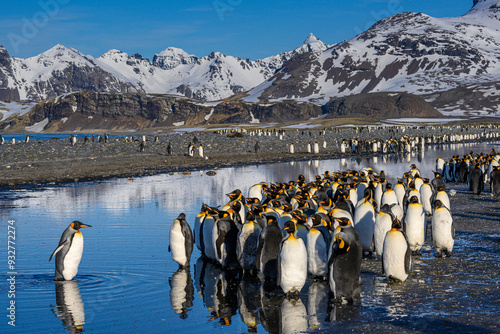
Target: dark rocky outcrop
[
  {"x": 6, "y": 93},
  {"x": 382, "y": 105},
  {"x": 87, "y": 110}
]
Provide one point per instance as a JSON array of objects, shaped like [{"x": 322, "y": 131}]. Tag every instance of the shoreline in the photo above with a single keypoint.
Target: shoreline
[{"x": 55, "y": 161}]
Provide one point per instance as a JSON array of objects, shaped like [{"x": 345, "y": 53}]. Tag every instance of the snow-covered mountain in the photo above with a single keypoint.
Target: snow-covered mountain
[
  {"x": 410, "y": 52},
  {"x": 62, "y": 70}
]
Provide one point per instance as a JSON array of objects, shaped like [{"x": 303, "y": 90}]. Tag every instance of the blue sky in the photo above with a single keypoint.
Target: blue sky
[{"x": 247, "y": 28}]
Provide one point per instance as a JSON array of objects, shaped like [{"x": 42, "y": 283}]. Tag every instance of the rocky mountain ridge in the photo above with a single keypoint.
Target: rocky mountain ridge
[
  {"x": 410, "y": 52},
  {"x": 62, "y": 70}
]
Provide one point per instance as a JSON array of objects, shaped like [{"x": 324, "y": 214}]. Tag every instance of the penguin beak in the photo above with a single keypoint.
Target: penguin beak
[{"x": 85, "y": 225}]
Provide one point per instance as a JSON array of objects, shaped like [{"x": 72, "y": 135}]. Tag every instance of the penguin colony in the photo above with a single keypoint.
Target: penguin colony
[
  {"x": 284, "y": 233},
  {"x": 474, "y": 169}
]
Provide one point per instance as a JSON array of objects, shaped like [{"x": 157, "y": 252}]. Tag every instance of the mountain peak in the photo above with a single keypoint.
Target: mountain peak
[
  {"x": 485, "y": 5},
  {"x": 172, "y": 57},
  {"x": 311, "y": 39}
]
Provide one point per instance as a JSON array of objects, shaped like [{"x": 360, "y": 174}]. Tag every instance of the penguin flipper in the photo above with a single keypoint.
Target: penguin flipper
[
  {"x": 453, "y": 229},
  {"x": 407, "y": 256},
  {"x": 258, "y": 258},
  {"x": 278, "y": 278},
  {"x": 59, "y": 248}
]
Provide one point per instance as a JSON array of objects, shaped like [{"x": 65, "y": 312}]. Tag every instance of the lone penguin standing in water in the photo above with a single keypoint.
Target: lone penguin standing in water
[{"x": 69, "y": 252}]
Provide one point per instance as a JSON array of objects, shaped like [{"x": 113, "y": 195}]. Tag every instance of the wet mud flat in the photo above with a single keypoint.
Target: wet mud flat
[
  {"x": 56, "y": 161},
  {"x": 457, "y": 294}
]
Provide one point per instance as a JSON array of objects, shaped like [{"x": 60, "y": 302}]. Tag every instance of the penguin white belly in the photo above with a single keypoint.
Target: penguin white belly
[
  {"x": 441, "y": 230},
  {"x": 73, "y": 257},
  {"x": 208, "y": 226},
  {"x": 317, "y": 262},
  {"x": 398, "y": 212},
  {"x": 389, "y": 197},
  {"x": 400, "y": 191},
  {"x": 415, "y": 226},
  {"x": 364, "y": 223},
  {"x": 198, "y": 225},
  {"x": 293, "y": 269},
  {"x": 426, "y": 197},
  {"x": 394, "y": 255},
  {"x": 177, "y": 244},
  {"x": 443, "y": 197},
  {"x": 383, "y": 224}
]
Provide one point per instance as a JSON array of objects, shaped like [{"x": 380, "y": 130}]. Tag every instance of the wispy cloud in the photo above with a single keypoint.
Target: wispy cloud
[{"x": 198, "y": 9}]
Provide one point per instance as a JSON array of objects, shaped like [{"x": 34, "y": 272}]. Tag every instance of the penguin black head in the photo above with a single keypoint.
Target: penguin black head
[
  {"x": 287, "y": 207},
  {"x": 413, "y": 199},
  {"x": 396, "y": 224},
  {"x": 271, "y": 219},
  {"x": 438, "y": 204},
  {"x": 234, "y": 195},
  {"x": 250, "y": 216},
  {"x": 77, "y": 225},
  {"x": 316, "y": 220},
  {"x": 343, "y": 221},
  {"x": 297, "y": 214},
  {"x": 386, "y": 208},
  {"x": 253, "y": 200},
  {"x": 289, "y": 227},
  {"x": 182, "y": 216},
  {"x": 368, "y": 193}
]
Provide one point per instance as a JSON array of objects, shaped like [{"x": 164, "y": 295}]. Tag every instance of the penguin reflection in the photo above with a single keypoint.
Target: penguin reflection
[
  {"x": 69, "y": 306},
  {"x": 271, "y": 298},
  {"x": 181, "y": 292},
  {"x": 218, "y": 289},
  {"x": 317, "y": 303},
  {"x": 293, "y": 316},
  {"x": 248, "y": 302}
]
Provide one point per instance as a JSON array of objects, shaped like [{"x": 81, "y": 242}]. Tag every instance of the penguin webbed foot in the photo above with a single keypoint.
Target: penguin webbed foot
[
  {"x": 439, "y": 254},
  {"x": 447, "y": 253}
]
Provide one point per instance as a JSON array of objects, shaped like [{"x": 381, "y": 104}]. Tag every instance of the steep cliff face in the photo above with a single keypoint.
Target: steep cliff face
[
  {"x": 380, "y": 105},
  {"x": 88, "y": 110},
  {"x": 7, "y": 93}
]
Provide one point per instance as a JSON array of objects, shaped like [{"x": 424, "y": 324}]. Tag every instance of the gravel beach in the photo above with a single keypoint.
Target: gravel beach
[{"x": 56, "y": 161}]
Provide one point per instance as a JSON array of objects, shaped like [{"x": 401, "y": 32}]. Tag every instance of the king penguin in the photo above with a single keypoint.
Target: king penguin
[
  {"x": 69, "y": 252},
  {"x": 443, "y": 229},
  {"x": 396, "y": 260},
  {"x": 495, "y": 181},
  {"x": 268, "y": 249},
  {"x": 414, "y": 225},
  {"x": 248, "y": 239},
  {"x": 364, "y": 221},
  {"x": 476, "y": 182},
  {"x": 318, "y": 241},
  {"x": 345, "y": 262},
  {"x": 292, "y": 262},
  {"x": 383, "y": 224},
  {"x": 181, "y": 241}
]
